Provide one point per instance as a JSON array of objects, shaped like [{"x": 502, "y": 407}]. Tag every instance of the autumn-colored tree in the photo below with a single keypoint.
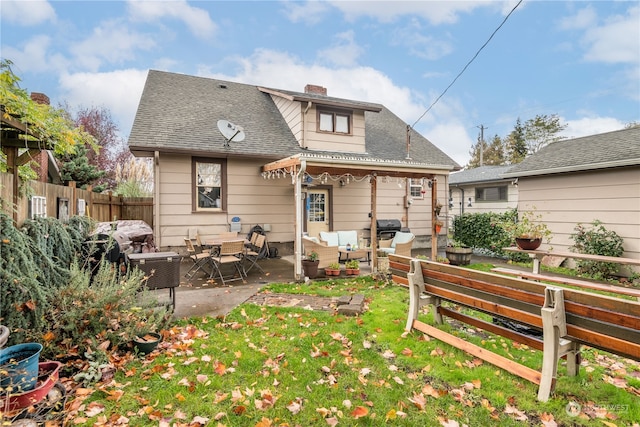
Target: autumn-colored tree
[
  {"x": 112, "y": 151},
  {"x": 492, "y": 153}
]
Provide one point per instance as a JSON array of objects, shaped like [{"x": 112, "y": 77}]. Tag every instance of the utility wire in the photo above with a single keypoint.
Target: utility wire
[{"x": 468, "y": 63}]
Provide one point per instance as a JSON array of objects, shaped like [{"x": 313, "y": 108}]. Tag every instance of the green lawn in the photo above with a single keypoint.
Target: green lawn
[{"x": 275, "y": 366}]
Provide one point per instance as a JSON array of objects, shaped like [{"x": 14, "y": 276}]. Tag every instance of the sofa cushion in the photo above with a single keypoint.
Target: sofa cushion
[
  {"x": 330, "y": 238},
  {"x": 350, "y": 237},
  {"x": 401, "y": 237}
]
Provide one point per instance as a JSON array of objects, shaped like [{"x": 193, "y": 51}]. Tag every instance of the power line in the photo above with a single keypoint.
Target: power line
[{"x": 468, "y": 63}]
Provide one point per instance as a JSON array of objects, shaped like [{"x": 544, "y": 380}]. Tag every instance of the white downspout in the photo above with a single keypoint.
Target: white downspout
[
  {"x": 297, "y": 247},
  {"x": 304, "y": 124},
  {"x": 156, "y": 199}
]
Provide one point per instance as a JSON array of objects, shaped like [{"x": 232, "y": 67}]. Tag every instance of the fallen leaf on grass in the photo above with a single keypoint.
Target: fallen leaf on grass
[{"x": 359, "y": 412}]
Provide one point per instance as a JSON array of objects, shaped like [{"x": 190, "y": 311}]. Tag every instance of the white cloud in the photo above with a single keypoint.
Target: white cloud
[
  {"x": 310, "y": 12},
  {"x": 586, "y": 126},
  {"x": 111, "y": 42},
  {"x": 196, "y": 19},
  {"x": 118, "y": 91},
  {"x": 420, "y": 45},
  {"x": 584, "y": 18},
  {"x": 452, "y": 138},
  {"x": 436, "y": 12},
  {"x": 616, "y": 41},
  {"x": 343, "y": 52},
  {"x": 27, "y": 13}
]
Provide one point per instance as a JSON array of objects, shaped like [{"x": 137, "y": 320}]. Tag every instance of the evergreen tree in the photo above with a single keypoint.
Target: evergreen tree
[
  {"x": 515, "y": 144},
  {"x": 76, "y": 167}
]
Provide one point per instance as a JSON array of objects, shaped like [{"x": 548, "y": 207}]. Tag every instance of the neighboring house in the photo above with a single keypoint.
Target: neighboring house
[
  {"x": 482, "y": 189},
  {"x": 304, "y": 162},
  {"x": 584, "y": 179}
]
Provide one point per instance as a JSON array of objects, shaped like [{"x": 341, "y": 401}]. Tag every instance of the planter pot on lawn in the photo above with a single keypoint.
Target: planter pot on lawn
[
  {"x": 459, "y": 256},
  {"x": 310, "y": 268},
  {"x": 146, "y": 343}
]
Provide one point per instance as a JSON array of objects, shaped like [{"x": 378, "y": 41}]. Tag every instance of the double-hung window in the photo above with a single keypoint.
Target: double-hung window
[
  {"x": 209, "y": 184},
  {"x": 334, "y": 121},
  {"x": 417, "y": 188}
]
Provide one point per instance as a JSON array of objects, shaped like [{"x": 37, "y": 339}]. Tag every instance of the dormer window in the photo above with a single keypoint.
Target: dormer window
[{"x": 334, "y": 121}]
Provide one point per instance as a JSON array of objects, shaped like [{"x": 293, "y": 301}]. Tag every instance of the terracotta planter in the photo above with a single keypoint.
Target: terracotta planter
[
  {"x": 353, "y": 271},
  {"x": 459, "y": 256},
  {"x": 438, "y": 228},
  {"x": 331, "y": 272},
  {"x": 528, "y": 244}
]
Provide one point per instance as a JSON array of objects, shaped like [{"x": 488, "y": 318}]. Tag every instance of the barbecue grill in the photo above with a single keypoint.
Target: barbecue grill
[{"x": 387, "y": 228}]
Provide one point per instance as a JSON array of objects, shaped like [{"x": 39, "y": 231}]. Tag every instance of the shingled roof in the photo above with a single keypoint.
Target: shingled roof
[
  {"x": 479, "y": 175},
  {"x": 605, "y": 150},
  {"x": 178, "y": 113}
]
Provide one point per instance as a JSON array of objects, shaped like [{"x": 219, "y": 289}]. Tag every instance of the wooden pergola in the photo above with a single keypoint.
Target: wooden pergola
[
  {"x": 296, "y": 167},
  {"x": 14, "y": 136}
]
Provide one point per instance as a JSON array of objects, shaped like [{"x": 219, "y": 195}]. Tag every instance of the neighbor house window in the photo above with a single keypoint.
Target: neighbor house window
[
  {"x": 334, "y": 121},
  {"x": 491, "y": 194},
  {"x": 209, "y": 184},
  {"x": 417, "y": 188}
]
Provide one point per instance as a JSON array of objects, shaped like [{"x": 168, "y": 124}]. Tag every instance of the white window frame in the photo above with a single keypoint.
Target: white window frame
[
  {"x": 416, "y": 188},
  {"x": 38, "y": 207}
]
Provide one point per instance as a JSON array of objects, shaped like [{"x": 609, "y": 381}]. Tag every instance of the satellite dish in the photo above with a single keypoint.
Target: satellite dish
[{"x": 230, "y": 132}]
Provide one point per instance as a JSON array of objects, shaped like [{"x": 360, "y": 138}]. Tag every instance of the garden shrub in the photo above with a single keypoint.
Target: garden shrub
[
  {"x": 48, "y": 294},
  {"x": 483, "y": 231},
  {"x": 596, "y": 240},
  {"x": 101, "y": 312}
]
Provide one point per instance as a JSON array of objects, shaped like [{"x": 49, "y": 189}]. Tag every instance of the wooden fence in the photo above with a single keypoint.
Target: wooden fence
[{"x": 62, "y": 201}]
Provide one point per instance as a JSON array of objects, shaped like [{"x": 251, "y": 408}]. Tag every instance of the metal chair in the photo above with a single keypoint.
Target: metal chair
[
  {"x": 255, "y": 252},
  {"x": 200, "y": 259},
  {"x": 231, "y": 253}
]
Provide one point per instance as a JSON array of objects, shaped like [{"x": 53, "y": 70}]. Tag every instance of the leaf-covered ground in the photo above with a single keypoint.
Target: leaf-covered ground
[{"x": 281, "y": 366}]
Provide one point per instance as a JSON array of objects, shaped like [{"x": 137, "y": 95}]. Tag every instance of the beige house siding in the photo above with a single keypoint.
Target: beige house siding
[
  {"x": 255, "y": 200},
  {"x": 307, "y": 135},
  {"x": 611, "y": 196},
  {"x": 292, "y": 113}
]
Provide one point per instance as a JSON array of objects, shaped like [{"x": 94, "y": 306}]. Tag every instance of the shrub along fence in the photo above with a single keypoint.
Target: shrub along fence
[{"x": 61, "y": 202}]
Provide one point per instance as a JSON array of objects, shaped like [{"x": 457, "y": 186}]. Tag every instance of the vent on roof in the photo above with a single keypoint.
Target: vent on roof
[{"x": 222, "y": 86}]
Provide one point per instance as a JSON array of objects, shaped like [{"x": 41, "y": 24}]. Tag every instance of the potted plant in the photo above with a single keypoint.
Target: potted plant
[
  {"x": 443, "y": 260},
  {"x": 145, "y": 343},
  {"x": 437, "y": 208},
  {"x": 332, "y": 269},
  {"x": 438, "y": 225},
  {"x": 458, "y": 253},
  {"x": 310, "y": 265},
  {"x": 529, "y": 231},
  {"x": 352, "y": 267},
  {"x": 382, "y": 261}
]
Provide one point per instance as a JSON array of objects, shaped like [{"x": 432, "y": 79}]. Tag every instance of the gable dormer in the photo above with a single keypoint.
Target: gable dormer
[{"x": 322, "y": 123}]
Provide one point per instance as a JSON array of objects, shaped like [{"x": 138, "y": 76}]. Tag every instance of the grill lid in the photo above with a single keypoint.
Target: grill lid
[{"x": 388, "y": 225}]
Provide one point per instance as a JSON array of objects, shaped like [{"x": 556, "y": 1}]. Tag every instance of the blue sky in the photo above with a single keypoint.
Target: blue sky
[{"x": 577, "y": 59}]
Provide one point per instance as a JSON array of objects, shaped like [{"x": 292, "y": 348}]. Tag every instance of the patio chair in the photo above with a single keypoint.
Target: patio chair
[
  {"x": 231, "y": 254},
  {"x": 200, "y": 259},
  {"x": 400, "y": 244},
  {"x": 255, "y": 252},
  {"x": 326, "y": 254}
]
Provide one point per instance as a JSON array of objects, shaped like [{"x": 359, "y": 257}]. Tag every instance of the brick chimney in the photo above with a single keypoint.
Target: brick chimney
[
  {"x": 43, "y": 157},
  {"x": 315, "y": 89}
]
